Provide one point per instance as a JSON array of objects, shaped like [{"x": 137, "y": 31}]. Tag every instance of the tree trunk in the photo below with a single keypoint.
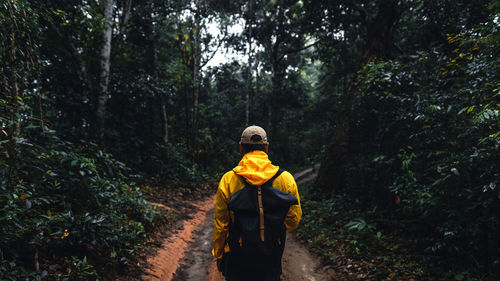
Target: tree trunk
[
  {"x": 164, "y": 121},
  {"x": 270, "y": 103},
  {"x": 159, "y": 91},
  {"x": 249, "y": 74},
  {"x": 14, "y": 128},
  {"x": 379, "y": 43},
  {"x": 331, "y": 176},
  {"x": 13, "y": 90},
  {"x": 196, "y": 84},
  {"x": 257, "y": 89},
  {"x": 125, "y": 17},
  {"x": 77, "y": 58},
  {"x": 249, "y": 90},
  {"x": 275, "y": 63},
  {"x": 102, "y": 97}
]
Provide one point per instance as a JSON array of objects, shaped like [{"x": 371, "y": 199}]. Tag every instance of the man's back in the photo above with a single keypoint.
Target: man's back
[{"x": 256, "y": 169}]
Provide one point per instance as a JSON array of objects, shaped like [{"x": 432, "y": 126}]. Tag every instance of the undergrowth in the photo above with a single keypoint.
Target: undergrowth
[
  {"x": 69, "y": 213},
  {"x": 361, "y": 245}
]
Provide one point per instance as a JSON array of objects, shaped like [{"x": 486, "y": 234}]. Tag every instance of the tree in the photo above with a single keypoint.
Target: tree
[
  {"x": 280, "y": 28},
  {"x": 105, "y": 62},
  {"x": 378, "y": 46},
  {"x": 249, "y": 37}
]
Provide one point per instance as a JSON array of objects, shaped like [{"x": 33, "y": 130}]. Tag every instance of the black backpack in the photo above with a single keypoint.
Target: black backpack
[{"x": 257, "y": 233}]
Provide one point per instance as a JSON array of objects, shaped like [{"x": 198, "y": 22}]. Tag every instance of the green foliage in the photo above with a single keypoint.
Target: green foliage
[
  {"x": 347, "y": 236},
  {"x": 78, "y": 269},
  {"x": 174, "y": 165},
  {"x": 424, "y": 150},
  {"x": 66, "y": 204},
  {"x": 422, "y": 155},
  {"x": 344, "y": 234}
]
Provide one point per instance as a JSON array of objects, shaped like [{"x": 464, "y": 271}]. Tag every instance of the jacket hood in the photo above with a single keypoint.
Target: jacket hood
[{"x": 256, "y": 167}]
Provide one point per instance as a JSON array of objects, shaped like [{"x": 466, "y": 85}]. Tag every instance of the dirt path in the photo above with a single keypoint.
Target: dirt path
[
  {"x": 173, "y": 250},
  {"x": 186, "y": 255},
  {"x": 299, "y": 264},
  {"x": 199, "y": 263}
]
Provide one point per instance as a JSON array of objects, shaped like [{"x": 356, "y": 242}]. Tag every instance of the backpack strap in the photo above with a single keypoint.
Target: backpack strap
[
  {"x": 278, "y": 173},
  {"x": 261, "y": 207},
  {"x": 261, "y": 213}
]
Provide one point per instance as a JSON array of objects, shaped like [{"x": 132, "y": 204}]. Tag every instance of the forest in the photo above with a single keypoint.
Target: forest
[{"x": 106, "y": 105}]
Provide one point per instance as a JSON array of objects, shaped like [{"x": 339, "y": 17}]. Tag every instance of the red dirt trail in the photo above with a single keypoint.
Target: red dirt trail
[
  {"x": 166, "y": 261},
  {"x": 186, "y": 255}
]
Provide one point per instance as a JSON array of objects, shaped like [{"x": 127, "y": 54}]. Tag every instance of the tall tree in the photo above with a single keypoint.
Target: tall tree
[
  {"x": 11, "y": 87},
  {"x": 196, "y": 75},
  {"x": 105, "y": 63},
  {"x": 249, "y": 63},
  {"x": 378, "y": 45},
  {"x": 281, "y": 29},
  {"x": 203, "y": 49}
]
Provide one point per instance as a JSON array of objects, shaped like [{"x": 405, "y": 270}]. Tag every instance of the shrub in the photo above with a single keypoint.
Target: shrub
[{"x": 75, "y": 205}]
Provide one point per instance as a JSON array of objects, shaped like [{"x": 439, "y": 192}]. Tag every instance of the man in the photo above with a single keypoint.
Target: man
[{"x": 255, "y": 203}]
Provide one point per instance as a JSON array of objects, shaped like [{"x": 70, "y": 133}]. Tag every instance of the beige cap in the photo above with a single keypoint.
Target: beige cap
[{"x": 253, "y": 135}]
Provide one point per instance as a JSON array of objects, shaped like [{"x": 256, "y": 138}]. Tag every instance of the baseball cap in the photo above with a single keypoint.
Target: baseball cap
[{"x": 253, "y": 135}]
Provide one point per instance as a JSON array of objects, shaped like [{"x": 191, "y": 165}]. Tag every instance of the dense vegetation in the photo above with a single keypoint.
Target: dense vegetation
[
  {"x": 418, "y": 156},
  {"x": 398, "y": 100}
]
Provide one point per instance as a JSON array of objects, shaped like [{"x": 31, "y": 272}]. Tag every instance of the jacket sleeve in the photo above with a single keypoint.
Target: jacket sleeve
[
  {"x": 295, "y": 213},
  {"x": 221, "y": 220}
]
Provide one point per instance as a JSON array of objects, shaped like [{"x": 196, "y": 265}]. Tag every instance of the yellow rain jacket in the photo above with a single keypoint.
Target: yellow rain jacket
[{"x": 256, "y": 167}]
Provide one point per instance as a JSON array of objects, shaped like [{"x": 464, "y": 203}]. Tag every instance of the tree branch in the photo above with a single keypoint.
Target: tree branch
[
  {"x": 292, "y": 51},
  {"x": 77, "y": 58},
  {"x": 216, "y": 49},
  {"x": 125, "y": 17}
]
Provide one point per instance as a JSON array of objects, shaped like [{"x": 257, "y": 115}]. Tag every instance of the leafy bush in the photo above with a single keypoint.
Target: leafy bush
[
  {"x": 424, "y": 149},
  {"x": 343, "y": 234},
  {"x": 72, "y": 204},
  {"x": 173, "y": 164}
]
